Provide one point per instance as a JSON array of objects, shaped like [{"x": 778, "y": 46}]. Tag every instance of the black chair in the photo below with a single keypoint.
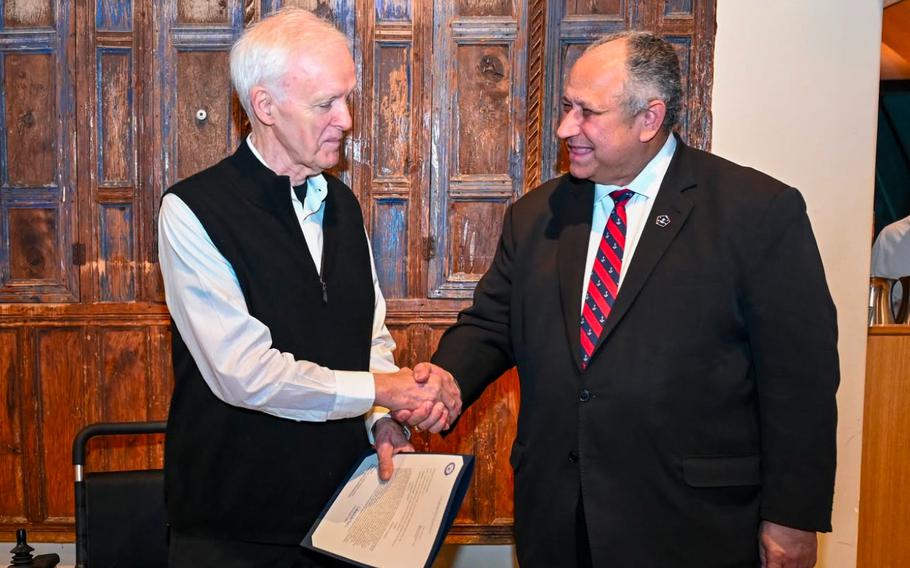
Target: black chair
[{"x": 120, "y": 515}]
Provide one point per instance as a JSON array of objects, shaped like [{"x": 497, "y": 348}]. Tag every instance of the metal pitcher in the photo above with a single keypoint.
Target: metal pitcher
[{"x": 880, "y": 301}]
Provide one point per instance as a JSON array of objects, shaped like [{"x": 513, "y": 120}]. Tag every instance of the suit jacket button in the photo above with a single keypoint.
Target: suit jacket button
[
  {"x": 584, "y": 395},
  {"x": 573, "y": 456}
]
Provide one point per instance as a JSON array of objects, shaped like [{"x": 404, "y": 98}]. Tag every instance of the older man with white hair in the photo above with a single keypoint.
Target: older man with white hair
[{"x": 280, "y": 348}]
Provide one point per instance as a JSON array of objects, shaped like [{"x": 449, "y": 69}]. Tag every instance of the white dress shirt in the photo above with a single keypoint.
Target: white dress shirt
[
  {"x": 233, "y": 350},
  {"x": 638, "y": 208}
]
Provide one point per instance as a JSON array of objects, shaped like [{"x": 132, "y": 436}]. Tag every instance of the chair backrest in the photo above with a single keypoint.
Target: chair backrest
[
  {"x": 125, "y": 521},
  {"x": 120, "y": 515}
]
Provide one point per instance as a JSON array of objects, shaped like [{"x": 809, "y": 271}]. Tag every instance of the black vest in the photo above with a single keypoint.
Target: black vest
[{"x": 239, "y": 474}]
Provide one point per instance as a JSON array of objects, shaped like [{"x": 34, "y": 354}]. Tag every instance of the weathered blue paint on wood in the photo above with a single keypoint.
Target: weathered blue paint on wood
[
  {"x": 477, "y": 61},
  {"x": 114, "y": 15},
  {"x": 395, "y": 10},
  {"x": 678, "y": 8},
  {"x": 115, "y": 125},
  {"x": 683, "y": 47},
  {"x": 116, "y": 267},
  {"x": 390, "y": 243}
]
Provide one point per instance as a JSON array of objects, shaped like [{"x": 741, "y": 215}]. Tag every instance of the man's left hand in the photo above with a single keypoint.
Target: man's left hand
[
  {"x": 785, "y": 547},
  {"x": 390, "y": 440}
]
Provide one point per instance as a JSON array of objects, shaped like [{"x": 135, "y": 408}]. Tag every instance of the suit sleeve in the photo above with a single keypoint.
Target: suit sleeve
[
  {"x": 478, "y": 348},
  {"x": 792, "y": 329}
]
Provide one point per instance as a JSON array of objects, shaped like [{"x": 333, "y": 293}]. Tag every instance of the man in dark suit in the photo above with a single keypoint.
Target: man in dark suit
[{"x": 674, "y": 336}]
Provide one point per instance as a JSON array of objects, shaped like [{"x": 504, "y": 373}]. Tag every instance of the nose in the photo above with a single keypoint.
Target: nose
[
  {"x": 568, "y": 126},
  {"x": 343, "y": 117}
]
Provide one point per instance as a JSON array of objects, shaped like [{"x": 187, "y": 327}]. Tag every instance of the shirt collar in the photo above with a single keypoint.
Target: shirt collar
[
  {"x": 317, "y": 187},
  {"x": 648, "y": 181}
]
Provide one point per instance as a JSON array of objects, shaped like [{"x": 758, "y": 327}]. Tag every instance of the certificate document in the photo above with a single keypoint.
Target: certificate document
[{"x": 398, "y": 523}]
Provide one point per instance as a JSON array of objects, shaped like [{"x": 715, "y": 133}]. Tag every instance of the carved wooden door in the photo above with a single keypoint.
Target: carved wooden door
[{"x": 105, "y": 103}]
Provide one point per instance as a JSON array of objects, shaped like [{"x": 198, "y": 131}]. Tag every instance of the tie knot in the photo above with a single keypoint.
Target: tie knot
[{"x": 620, "y": 196}]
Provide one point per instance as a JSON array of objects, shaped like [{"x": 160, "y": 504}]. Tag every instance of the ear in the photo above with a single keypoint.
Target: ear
[
  {"x": 262, "y": 103},
  {"x": 651, "y": 119}
]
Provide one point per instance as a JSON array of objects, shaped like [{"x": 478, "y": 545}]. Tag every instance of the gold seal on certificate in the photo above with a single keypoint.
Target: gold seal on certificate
[{"x": 399, "y": 523}]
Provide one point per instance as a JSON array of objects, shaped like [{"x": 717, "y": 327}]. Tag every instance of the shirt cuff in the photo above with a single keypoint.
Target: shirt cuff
[{"x": 354, "y": 394}]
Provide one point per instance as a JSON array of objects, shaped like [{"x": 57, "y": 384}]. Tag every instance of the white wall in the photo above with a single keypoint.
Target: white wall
[{"x": 796, "y": 95}]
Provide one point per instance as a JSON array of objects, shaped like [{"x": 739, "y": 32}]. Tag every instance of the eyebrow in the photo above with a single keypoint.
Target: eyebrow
[{"x": 583, "y": 104}]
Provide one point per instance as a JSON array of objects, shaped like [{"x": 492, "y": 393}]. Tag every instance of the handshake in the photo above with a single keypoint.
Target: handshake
[{"x": 427, "y": 397}]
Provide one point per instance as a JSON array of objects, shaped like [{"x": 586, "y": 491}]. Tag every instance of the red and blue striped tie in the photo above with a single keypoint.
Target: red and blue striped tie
[{"x": 604, "y": 283}]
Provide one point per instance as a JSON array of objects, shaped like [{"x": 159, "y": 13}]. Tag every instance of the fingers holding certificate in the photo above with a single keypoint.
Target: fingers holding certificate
[{"x": 398, "y": 523}]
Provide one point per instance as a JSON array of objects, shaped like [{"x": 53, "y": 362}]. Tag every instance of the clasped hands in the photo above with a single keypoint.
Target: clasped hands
[{"x": 427, "y": 397}]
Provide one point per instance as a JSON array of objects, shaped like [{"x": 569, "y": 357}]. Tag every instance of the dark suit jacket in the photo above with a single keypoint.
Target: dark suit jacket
[{"x": 709, "y": 403}]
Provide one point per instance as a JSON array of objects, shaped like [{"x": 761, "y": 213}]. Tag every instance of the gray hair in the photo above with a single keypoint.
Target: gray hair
[
  {"x": 653, "y": 73},
  {"x": 262, "y": 54}
]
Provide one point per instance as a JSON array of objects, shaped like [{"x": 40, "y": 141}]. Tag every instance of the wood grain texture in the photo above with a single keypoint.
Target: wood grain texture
[
  {"x": 34, "y": 250},
  {"x": 594, "y": 7},
  {"x": 202, "y": 11},
  {"x": 482, "y": 83},
  {"x": 28, "y": 13},
  {"x": 61, "y": 392},
  {"x": 29, "y": 86},
  {"x": 884, "y": 512},
  {"x": 481, "y": 8},
  {"x": 12, "y": 464},
  {"x": 203, "y": 85},
  {"x": 116, "y": 266},
  {"x": 391, "y": 156},
  {"x": 116, "y": 166}
]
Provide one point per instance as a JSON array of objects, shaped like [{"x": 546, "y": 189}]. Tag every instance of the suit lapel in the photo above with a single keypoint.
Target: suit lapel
[
  {"x": 572, "y": 213},
  {"x": 674, "y": 202}
]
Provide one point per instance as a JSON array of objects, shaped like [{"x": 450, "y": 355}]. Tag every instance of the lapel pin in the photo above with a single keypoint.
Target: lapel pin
[{"x": 662, "y": 220}]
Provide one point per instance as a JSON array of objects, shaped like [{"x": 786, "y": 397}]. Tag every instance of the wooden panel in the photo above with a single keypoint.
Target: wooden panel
[
  {"x": 114, "y": 15},
  {"x": 571, "y": 54},
  {"x": 595, "y": 7},
  {"x": 884, "y": 513},
  {"x": 392, "y": 109},
  {"x": 678, "y": 8},
  {"x": 30, "y": 118},
  {"x": 483, "y": 84},
  {"x": 116, "y": 166},
  {"x": 474, "y": 237},
  {"x": 683, "y": 48},
  {"x": 390, "y": 217},
  {"x": 116, "y": 269},
  {"x": 323, "y": 8},
  {"x": 203, "y": 84},
  {"x": 61, "y": 395},
  {"x": 28, "y": 13},
  {"x": 202, "y": 11},
  {"x": 397, "y": 10},
  {"x": 483, "y": 7},
  {"x": 33, "y": 250},
  {"x": 121, "y": 392},
  {"x": 404, "y": 353},
  {"x": 12, "y": 479},
  {"x": 478, "y": 171}
]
